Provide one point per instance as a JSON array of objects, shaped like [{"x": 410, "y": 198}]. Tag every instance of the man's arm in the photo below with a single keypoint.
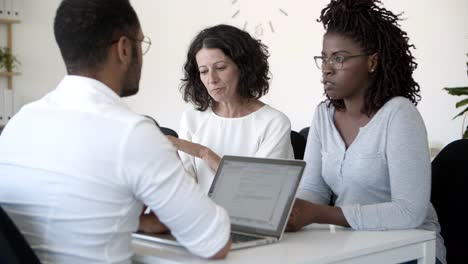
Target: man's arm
[
  {"x": 149, "y": 223},
  {"x": 223, "y": 252},
  {"x": 155, "y": 175}
]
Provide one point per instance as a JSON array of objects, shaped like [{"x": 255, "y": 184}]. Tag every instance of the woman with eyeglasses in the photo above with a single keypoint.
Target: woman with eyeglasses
[
  {"x": 367, "y": 145},
  {"x": 226, "y": 74}
]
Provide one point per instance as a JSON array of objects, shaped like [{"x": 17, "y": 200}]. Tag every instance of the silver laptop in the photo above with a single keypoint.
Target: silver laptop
[{"x": 257, "y": 193}]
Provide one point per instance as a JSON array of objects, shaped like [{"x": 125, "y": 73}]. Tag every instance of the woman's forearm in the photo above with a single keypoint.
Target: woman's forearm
[
  {"x": 199, "y": 151},
  {"x": 324, "y": 214},
  {"x": 211, "y": 159},
  {"x": 305, "y": 213}
]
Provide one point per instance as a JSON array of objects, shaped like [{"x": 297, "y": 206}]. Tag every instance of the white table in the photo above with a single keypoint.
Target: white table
[{"x": 314, "y": 244}]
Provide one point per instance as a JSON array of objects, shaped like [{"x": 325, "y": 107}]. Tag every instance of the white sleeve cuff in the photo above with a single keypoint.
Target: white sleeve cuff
[{"x": 215, "y": 239}]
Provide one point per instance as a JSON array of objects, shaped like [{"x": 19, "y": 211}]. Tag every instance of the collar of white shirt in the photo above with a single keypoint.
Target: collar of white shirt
[{"x": 79, "y": 88}]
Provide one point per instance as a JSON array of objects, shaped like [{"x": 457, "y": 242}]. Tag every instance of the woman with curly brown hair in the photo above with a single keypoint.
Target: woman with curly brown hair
[
  {"x": 226, "y": 73},
  {"x": 367, "y": 145}
]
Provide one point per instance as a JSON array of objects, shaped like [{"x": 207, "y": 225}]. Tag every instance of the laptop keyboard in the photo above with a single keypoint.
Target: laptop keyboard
[{"x": 236, "y": 238}]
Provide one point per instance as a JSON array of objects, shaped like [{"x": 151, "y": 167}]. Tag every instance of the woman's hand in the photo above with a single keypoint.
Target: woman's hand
[
  {"x": 199, "y": 151},
  {"x": 300, "y": 216}
]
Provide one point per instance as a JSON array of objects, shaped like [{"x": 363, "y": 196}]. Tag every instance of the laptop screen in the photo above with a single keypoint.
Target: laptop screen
[{"x": 257, "y": 193}]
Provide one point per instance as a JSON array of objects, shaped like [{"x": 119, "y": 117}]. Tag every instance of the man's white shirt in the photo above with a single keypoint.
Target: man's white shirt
[{"x": 75, "y": 168}]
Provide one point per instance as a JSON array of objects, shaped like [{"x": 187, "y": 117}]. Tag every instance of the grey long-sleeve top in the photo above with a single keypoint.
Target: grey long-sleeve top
[{"x": 383, "y": 180}]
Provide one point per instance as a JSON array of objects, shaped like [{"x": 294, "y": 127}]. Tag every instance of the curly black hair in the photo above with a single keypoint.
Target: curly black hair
[
  {"x": 376, "y": 30},
  {"x": 249, "y": 55}
]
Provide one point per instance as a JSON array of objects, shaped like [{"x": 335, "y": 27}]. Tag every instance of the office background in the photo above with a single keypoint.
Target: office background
[{"x": 438, "y": 28}]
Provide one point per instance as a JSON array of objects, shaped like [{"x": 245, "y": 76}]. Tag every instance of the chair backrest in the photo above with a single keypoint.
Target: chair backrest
[
  {"x": 305, "y": 132},
  {"x": 449, "y": 197},
  {"x": 168, "y": 132},
  {"x": 13, "y": 246},
  {"x": 165, "y": 130},
  {"x": 298, "y": 143}
]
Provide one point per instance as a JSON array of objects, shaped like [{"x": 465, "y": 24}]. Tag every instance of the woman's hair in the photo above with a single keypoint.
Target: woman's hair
[
  {"x": 376, "y": 30},
  {"x": 249, "y": 55}
]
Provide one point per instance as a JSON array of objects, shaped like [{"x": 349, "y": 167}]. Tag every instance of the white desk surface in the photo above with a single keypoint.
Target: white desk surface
[{"x": 314, "y": 244}]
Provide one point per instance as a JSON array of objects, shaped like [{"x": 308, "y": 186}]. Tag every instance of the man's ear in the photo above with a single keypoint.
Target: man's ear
[
  {"x": 124, "y": 51},
  {"x": 372, "y": 62}
]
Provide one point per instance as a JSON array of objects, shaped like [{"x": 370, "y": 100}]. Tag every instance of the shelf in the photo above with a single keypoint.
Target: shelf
[
  {"x": 9, "y": 74},
  {"x": 9, "y": 21}
]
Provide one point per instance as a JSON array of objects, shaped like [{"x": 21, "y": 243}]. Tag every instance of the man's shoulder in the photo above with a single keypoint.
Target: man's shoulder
[{"x": 122, "y": 115}]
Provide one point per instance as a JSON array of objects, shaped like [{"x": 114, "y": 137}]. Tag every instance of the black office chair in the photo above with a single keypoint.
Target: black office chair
[
  {"x": 13, "y": 247},
  {"x": 165, "y": 130},
  {"x": 298, "y": 143},
  {"x": 305, "y": 132},
  {"x": 449, "y": 197},
  {"x": 168, "y": 132}
]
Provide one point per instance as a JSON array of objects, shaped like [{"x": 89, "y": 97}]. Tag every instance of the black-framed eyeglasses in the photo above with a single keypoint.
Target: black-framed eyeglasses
[
  {"x": 145, "y": 43},
  {"x": 334, "y": 61}
]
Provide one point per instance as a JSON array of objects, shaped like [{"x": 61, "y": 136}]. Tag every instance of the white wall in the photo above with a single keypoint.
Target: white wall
[
  {"x": 439, "y": 29},
  {"x": 34, "y": 45}
]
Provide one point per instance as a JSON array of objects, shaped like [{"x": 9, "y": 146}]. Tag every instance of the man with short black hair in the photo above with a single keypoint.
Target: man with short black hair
[{"x": 77, "y": 165}]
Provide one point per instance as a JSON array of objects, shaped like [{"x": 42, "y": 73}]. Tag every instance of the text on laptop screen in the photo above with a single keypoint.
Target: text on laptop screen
[{"x": 255, "y": 194}]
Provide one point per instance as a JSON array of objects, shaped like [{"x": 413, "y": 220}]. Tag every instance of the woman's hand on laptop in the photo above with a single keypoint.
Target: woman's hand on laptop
[{"x": 149, "y": 223}]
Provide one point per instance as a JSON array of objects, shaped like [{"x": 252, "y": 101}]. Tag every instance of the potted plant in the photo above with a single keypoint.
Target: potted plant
[
  {"x": 7, "y": 60},
  {"x": 461, "y": 91}
]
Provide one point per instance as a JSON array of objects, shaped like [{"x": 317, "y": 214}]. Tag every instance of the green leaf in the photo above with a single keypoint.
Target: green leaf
[
  {"x": 462, "y": 103},
  {"x": 457, "y": 90},
  {"x": 7, "y": 60},
  {"x": 461, "y": 113}
]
